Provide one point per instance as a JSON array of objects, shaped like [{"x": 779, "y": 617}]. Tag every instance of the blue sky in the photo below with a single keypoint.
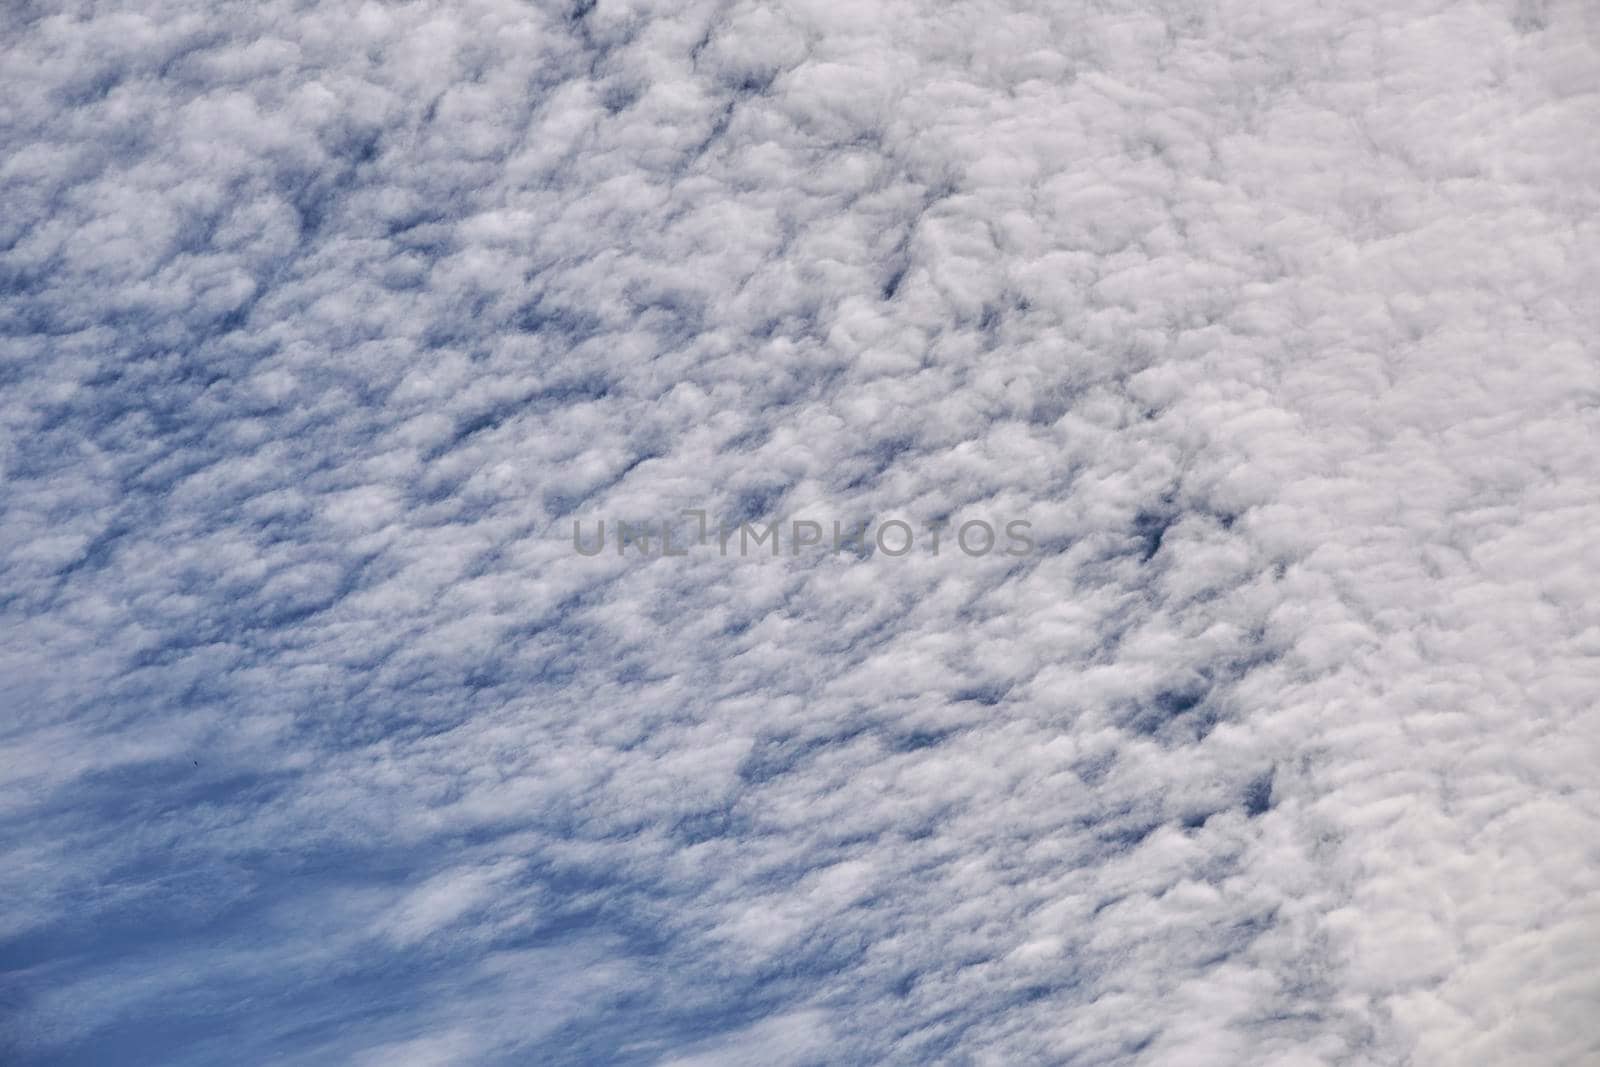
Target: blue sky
[{"x": 322, "y": 323}]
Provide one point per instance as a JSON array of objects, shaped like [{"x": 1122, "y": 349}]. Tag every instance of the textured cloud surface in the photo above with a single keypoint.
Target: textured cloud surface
[{"x": 322, "y": 324}]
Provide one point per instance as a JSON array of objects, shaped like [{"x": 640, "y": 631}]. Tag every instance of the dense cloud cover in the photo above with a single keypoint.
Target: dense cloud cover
[{"x": 323, "y": 321}]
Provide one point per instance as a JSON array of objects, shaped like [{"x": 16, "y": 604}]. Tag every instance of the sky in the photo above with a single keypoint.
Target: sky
[{"x": 324, "y": 324}]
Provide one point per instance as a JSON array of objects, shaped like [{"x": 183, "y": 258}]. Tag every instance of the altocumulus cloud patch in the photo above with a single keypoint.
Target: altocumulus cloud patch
[{"x": 323, "y": 323}]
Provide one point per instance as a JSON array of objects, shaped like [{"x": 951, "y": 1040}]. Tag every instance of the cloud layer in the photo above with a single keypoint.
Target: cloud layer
[{"x": 323, "y": 323}]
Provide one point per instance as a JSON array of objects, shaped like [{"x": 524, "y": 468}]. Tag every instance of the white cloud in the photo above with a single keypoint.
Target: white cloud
[{"x": 323, "y": 323}]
